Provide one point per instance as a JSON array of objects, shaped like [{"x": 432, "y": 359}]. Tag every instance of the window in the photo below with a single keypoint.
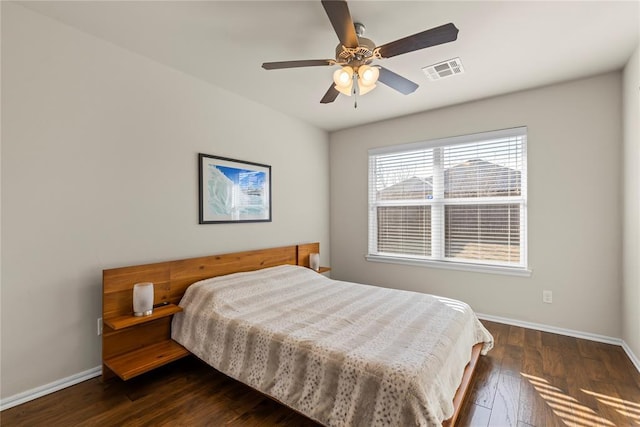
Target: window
[{"x": 458, "y": 202}]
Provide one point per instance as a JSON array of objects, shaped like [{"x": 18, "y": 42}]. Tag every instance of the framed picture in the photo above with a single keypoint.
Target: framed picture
[{"x": 233, "y": 190}]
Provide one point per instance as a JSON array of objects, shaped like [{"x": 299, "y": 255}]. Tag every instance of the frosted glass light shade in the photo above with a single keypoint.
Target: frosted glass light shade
[
  {"x": 314, "y": 261},
  {"x": 365, "y": 89},
  {"x": 368, "y": 75},
  {"x": 343, "y": 79},
  {"x": 143, "y": 299},
  {"x": 367, "y": 78}
]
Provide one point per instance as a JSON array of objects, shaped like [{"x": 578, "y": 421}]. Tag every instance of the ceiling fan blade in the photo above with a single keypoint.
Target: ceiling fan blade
[
  {"x": 396, "y": 81},
  {"x": 338, "y": 13},
  {"x": 295, "y": 64},
  {"x": 443, "y": 34},
  {"x": 330, "y": 96}
]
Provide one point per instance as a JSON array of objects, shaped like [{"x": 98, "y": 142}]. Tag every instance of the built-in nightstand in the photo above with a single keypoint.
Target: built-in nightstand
[{"x": 135, "y": 345}]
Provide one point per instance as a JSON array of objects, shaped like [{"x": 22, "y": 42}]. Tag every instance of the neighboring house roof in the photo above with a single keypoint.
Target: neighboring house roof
[
  {"x": 411, "y": 188},
  {"x": 478, "y": 177},
  {"x": 472, "y": 178}
]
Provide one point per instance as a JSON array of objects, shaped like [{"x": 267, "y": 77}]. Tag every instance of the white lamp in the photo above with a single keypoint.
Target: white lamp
[
  {"x": 143, "y": 299},
  {"x": 314, "y": 261}
]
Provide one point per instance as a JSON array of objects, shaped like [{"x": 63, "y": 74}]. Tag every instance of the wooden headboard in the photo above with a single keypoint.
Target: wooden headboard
[{"x": 126, "y": 339}]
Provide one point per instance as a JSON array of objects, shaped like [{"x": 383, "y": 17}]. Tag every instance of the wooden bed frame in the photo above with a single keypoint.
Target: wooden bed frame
[{"x": 134, "y": 345}]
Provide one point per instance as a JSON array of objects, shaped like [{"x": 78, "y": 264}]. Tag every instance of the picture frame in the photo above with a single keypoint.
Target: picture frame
[{"x": 233, "y": 191}]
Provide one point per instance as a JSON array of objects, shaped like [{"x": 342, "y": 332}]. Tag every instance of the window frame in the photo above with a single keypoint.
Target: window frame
[{"x": 438, "y": 206}]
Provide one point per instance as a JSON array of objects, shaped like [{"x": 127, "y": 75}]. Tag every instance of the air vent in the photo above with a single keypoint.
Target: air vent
[{"x": 444, "y": 69}]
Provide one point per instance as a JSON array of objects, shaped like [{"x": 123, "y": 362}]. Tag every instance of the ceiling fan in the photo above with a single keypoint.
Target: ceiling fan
[{"x": 355, "y": 53}]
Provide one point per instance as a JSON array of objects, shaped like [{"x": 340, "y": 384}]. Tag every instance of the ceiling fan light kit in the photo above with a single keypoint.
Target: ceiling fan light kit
[
  {"x": 355, "y": 53},
  {"x": 365, "y": 78}
]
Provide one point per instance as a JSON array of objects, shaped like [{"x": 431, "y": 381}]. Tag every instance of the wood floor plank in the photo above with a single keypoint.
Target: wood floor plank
[
  {"x": 516, "y": 336},
  {"x": 475, "y": 416},
  {"x": 567, "y": 345},
  {"x": 531, "y": 410},
  {"x": 512, "y": 361},
  {"x": 577, "y": 379},
  {"x": 608, "y": 399},
  {"x": 505, "y": 405},
  {"x": 630, "y": 408},
  {"x": 591, "y": 349},
  {"x": 485, "y": 382},
  {"x": 530, "y": 379},
  {"x": 532, "y": 362},
  {"x": 617, "y": 364},
  {"x": 552, "y": 361},
  {"x": 593, "y": 369},
  {"x": 551, "y": 419},
  {"x": 532, "y": 339},
  {"x": 550, "y": 340}
]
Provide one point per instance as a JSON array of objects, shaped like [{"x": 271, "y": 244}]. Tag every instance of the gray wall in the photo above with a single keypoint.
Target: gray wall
[
  {"x": 99, "y": 170},
  {"x": 574, "y": 205},
  {"x": 631, "y": 236}
]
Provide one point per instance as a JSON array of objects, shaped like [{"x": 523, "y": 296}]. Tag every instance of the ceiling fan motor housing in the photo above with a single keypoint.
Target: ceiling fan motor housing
[{"x": 356, "y": 56}]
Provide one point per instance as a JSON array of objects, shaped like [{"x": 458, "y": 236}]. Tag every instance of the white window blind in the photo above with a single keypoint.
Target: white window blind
[{"x": 456, "y": 200}]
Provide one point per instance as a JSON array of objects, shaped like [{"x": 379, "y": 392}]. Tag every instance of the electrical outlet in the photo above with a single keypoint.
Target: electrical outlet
[
  {"x": 99, "y": 325},
  {"x": 547, "y": 297}
]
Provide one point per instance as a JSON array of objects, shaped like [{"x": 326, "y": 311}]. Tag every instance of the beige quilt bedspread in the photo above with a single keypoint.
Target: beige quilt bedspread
[{"x": 343, "y": 354}]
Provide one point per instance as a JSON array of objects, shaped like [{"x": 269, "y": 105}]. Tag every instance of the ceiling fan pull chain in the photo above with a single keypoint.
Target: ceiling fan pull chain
[{"x": 355, "y": 90}]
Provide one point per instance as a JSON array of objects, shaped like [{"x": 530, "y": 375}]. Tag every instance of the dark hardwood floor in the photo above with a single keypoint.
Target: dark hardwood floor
[{"x": 530, "y": 378}]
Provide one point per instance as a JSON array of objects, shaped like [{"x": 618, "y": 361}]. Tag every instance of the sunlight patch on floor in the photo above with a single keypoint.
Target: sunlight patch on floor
[
  {"x": 568, "y": 408},
  {"x": 624, "y": 407}
]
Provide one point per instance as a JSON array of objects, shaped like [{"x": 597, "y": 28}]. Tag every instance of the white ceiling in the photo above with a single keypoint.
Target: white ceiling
[{"x": 505, "y": 46}]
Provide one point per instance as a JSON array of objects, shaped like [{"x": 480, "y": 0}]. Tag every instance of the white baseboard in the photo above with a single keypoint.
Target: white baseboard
[
  {"x": 43, "y": 390},
  {"x": 568, "y": 332},
  {"x": 634, "y": 359},
  {"x": 552, "y": 329}
]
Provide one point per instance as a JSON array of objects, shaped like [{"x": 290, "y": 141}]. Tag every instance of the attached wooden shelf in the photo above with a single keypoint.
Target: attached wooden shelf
[
  {"x": 324, "y": 269},
  {"x": 129, "y": 320},
  {"x": 147, "y": 342},
  {"x": 137, "y": 362}
]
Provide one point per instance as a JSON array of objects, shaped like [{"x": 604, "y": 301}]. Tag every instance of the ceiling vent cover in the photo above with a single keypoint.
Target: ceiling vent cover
[{"x": 444, "y": 69}]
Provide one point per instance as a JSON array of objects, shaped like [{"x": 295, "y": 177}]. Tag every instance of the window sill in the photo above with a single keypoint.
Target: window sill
[{"x": 491, "y": 269}]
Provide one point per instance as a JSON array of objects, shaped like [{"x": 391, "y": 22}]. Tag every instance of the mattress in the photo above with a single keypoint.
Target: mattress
[{"x": 343, "y": 354}]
